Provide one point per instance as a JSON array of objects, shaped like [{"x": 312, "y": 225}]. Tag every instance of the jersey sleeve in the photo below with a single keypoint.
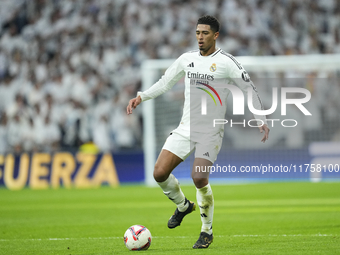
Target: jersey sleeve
[
  {"x": 171, "y": 76},
  {"x": 242, "y": 79}
]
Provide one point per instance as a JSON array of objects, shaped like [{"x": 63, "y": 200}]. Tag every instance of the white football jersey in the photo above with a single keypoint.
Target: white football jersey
[{"x": 205, "y": 90}]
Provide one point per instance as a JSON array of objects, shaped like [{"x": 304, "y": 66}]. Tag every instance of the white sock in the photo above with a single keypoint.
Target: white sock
[
  {"x": 205, "y": 201},
  {"x": 173, "y": 191}
]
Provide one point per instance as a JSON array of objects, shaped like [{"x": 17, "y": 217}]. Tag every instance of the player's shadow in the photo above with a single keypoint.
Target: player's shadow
[{"x": 179, "y": 250}]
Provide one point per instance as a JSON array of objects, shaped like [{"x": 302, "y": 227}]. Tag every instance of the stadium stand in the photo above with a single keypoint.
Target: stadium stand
[{"x": 68, "y": 68}]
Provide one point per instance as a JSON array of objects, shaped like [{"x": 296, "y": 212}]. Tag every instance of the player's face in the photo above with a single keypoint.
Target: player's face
[{"x": 206, "y": 39}]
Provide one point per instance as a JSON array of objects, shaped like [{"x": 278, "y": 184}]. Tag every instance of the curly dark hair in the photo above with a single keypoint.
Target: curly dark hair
[{"x": 210, "y": 20}]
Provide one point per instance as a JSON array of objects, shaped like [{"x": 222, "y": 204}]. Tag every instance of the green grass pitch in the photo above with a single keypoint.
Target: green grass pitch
[{"x": 266, "y": 218}]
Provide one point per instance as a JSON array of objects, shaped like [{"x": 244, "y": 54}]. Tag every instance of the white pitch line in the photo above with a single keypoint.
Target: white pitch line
[{"x": 162, "y": 237}]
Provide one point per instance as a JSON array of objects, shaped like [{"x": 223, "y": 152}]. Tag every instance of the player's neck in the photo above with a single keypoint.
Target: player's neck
[{"x": 208, "y": 52}]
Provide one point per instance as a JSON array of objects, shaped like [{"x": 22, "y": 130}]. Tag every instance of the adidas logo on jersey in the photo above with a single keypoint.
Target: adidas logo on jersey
[
  {"x": 206, "y": 154},
  {"x": 191, "y": 64}
]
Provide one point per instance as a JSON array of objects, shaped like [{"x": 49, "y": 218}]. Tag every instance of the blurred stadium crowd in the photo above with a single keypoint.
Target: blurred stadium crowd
[{"x": 69, "y": 67}]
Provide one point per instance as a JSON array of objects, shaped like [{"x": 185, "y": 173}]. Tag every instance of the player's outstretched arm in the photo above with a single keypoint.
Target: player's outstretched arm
[
  {"x": 133, "y": 103},
  {"x": 266, "y": 130}
]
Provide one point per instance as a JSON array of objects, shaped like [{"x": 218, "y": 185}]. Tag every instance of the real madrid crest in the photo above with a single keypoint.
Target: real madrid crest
[{"x": 213, "y": 67}]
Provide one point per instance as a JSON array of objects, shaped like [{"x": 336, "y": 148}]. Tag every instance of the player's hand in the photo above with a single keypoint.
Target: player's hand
[
  {"x": 134, "y": 102},
  {"x": 266, "y": 130}
]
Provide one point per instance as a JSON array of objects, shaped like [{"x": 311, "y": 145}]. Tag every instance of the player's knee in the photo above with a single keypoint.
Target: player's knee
[
  {"x": 160, "y": 174},
  {"x": 200, "y": 182}
]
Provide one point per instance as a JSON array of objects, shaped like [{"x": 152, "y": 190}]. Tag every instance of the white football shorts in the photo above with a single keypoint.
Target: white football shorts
[{"x": 182, "y": 146}]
